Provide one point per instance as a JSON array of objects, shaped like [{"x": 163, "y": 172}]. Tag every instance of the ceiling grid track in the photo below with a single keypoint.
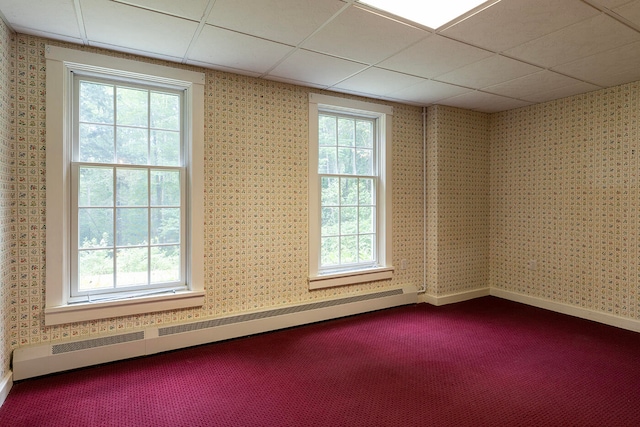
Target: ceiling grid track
[
  {"x": 502, "y": 54},
  {"x": 81, "y": 27}
]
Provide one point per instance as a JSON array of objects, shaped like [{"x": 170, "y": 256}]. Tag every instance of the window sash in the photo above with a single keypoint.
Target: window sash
[
  {"x": 347, "y": 240},
  {"x": 349, "y": 223},
  {"x": 180, "y": 283}
]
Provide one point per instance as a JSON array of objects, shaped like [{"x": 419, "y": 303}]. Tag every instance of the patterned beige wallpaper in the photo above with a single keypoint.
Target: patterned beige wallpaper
[
  {"x": 458, "y": 200},
  {"x": 565, "y": 200},
  {"x": 255, "y": 201},
  {"x": 7, "y": 193},
  {"x": 555, "y": 184}
]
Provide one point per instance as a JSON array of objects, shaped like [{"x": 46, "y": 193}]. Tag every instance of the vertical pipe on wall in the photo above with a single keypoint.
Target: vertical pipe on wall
[{"x": 423, "y": 288}]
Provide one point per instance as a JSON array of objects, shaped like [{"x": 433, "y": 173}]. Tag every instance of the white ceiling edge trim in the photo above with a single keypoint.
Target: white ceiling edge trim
[{"x": 72, "y": 56}]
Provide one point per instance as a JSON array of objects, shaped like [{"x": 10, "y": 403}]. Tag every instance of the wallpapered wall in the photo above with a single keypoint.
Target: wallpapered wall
[
  {"x": 555, "y": 183},
  {"x": 255, "y": 200},
  {"x": 7, "y": 194},
  {"x": 564, "y": 194},
  {"x": 457, "y": 200}
]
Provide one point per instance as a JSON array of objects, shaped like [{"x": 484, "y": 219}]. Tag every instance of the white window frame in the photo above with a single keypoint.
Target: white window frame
[
  {"x": 61, "y": 64},
  {"x": 384, "y": 118}
]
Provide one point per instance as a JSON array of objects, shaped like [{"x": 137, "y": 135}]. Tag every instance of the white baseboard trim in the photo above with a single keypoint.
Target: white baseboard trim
[
  {"x": 453, "y": 298},
  {"x": 45, "y": 359},
  {"x": 5, "y": 387},
  {"x": 583, "y": 313}
]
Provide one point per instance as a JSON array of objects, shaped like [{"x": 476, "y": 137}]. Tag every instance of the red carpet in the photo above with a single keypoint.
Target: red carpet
[{"x": 486, "y": 362}]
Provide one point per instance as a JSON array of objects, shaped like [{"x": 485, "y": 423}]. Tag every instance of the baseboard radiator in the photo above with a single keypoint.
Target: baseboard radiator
[{"x": 32, "y": 361}]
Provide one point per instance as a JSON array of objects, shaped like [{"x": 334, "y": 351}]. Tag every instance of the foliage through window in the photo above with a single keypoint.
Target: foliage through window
[
  {"x": 347, "y": 168},
  {"x": 128, "y": 188}
]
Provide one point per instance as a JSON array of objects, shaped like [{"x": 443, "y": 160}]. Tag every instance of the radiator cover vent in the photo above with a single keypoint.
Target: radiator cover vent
[
  {"x": 97, "y": 342},
  {"x": 170, "y": 330}
]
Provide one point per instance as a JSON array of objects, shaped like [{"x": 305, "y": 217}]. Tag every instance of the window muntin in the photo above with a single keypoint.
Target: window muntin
[
  {"x": 347, "y": 171},
  {"x": 128, "y": 179}
]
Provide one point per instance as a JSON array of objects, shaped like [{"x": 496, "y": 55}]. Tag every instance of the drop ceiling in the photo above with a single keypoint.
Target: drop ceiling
[{"x": 504, "y": 54}]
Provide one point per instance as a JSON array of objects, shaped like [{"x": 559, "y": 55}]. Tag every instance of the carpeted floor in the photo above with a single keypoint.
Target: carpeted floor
[{"x": 485, "y": 362}]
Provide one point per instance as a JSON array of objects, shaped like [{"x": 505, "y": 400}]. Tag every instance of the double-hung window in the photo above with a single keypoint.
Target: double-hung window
[
  {"x": 349, "y": 192},
  {"x": 128, "y": 188},
  {"x": 124, "y": 187}
]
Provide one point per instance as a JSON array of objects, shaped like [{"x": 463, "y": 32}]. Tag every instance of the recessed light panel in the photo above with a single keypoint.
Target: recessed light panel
[{"x": 430, "y": 13}]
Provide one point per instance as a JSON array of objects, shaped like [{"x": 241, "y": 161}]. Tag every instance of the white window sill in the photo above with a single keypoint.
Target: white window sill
[
  {"x": 350, "y": 277},
  {"x": 81, "y": 312}
]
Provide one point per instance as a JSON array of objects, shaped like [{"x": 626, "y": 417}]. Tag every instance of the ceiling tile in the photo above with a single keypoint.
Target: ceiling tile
[
  {"x": 377, "y": 82},
  {"x": 610, "y": 4},
  {"x": 523, "y": 87},
  {"x": 226, "y": 48},
  {"x": 630, "y": 11},
  {"x": 42, "y": 16},
  {"x": 485, "y": 102},
  {"x": 563, "y": 92},
  {"x": 130, "y": 27},
  {"x": 428, "y": 92},
  {"x": 617, "y": 66},
  {"x": 136, "y": 52},
  {"x": 315, "y": 68},
  {"x": 585, "y": 38},
  {"x": 488, "y": 72},
  {"x": 363, "y": 36},
  {"x": 507, "y": 24},
  {"x": 192, "y": 9},
  {"x": 284, "y": 21},
  {"x": 433, "y": 56}
]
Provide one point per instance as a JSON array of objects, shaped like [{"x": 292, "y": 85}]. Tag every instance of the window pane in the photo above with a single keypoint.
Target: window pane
[
  {"x": 349, "y": 191},
  {"x": 95, "y": 270},
  {"x": 96, "y": 103},
  {"x": 165, "y": 111},
  {"x": 165, "y": 225},
  {"x": 96, "y": 144},
  {"x": 348, "y": 220},
  {"x": 132, "y": 107},
  {"x": 132, "y": 187},
  {"x": 366, "y": 192},
  {"x": 165, "y": 264},
  {"x": 346, "y": 161},
  {"x": 330, "y": 221},
  {"x": 348, "y": 249},
  {"x": 95, "y": 187},
  {"x": 327, "y": 160},
  {"x": 327, "y": 130},
  {"x": 364, "y": 162},
  {"x": 132, "y": 266},
  {"x": 365, "y": 248},
  {"x": 365, "y": 220},
  {"x": 95, "y": 227},
  {"x": 346, "y": 132},
  {"x": 165, "y": 188},
  {"x": 364, "y": 134},
  {"x": 165, "y": 148},
  {"x": 330, "y": 191},
  {"x": 132, "y": 226},
  {"x": 329, "y": 251},
  {"x": 132, "y": 146}
]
